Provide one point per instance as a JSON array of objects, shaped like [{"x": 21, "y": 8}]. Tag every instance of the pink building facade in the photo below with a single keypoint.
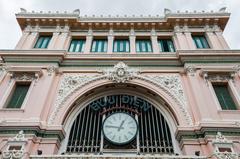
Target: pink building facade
[{"x": 74, "y": 86}]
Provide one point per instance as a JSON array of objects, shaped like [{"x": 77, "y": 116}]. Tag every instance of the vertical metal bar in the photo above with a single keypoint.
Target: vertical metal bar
[
  {"x": 102, "y": 137},
  {"x": 90, "y": 129},
  {"x": 86, "y": 129},
  {"x": 97, "y": 131},
  {"x": 82, "y": 128},
  {"x": 162, "y": 132},
  {"x": 93, "y": 132},
  {"x": 154, "y": 129},
  {"x": 166, "y": 127},
  {"x": 146, "y": 132},
  {"x": 158, "y": 132},
  {"x": 76, "y": 137},
  {"x": 138, "y": 144},
  {"x": 150, "y": 131},
  {"x": 73, "y": 133},
  {"x": 142, "y": 131}
]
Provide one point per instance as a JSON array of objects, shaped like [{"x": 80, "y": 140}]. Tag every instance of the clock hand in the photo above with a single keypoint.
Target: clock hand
[
  {"x": 121, "y": 125},
  {"x": 110, "y": 126}
]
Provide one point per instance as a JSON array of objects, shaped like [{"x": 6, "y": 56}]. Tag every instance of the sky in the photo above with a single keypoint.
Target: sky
[{"x": 10, "y": 32}]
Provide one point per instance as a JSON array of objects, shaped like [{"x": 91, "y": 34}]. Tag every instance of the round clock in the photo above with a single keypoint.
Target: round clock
[{"x": 120, "y": 128}]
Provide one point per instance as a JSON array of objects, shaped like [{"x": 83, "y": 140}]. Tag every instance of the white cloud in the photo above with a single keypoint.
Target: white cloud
[{"x": 10, "y": 31}]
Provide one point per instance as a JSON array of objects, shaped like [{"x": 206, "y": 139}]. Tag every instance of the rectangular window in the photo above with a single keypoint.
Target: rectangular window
[
  {"x": 166, "y": 45},
  {"x": 77, "y": 45},
  {"x": 224, "y": 97},
  {"x": 42, "y": 42},
  {"x": 121, "y": 45},
  {"x": 200, "y": 42},
  {"x": 143, "y": 46},
  {"x": 99, "y": 45},
  {"x": 18, "y": 95}
]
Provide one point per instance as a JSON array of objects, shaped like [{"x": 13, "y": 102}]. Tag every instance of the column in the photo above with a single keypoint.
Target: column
[
  {"x": 24, "y": 37},
  {"x": 110, "y": 41},
  {"x": 88, "y": 43},
  {"x": 154, "y": 40},
  {"x": 132, "y": 39}
]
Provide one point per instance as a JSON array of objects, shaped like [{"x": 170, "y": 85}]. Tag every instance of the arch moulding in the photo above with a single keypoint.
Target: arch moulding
[{"x": 74, "y": 85}]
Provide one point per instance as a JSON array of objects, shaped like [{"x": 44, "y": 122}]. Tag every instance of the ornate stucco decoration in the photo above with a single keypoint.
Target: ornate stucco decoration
[
  {"x": 69, "y": 84},
  {"x": 120, "y": 73},
  {"x": 16, "y": 146},
  {"x": 223, "y": 147},
  {"x": 171, "y": 84}
]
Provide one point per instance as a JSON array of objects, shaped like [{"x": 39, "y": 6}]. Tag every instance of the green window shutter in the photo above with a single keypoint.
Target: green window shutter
[
  {"x": 42, "y": 42},
  {"x": 170, "y": 46},
  {"x": 18, "y": 95},
  {"x": 127, "y": 46},
  {"x": 224, "y": 97},
  {"x": 99, "y": 46},
  {"x": 143, "y": 46},
  {"x": 77, "y": 45},
  {"x": 160, "y": 43},
  {"x": 93, "y": 46},
  {"x": 200, "y": 42},
  {"x": 166, "y": 45}
]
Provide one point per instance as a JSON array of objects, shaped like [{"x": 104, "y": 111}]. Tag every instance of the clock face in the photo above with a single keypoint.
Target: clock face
[{"x": 120, "y": 128}]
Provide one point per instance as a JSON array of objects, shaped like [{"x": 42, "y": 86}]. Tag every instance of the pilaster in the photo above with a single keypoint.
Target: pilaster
[
  {"x": 132, "y": 39},
  {"x": 212, "y": 38},
  {"x": 53, "y": 41},
  {"x": 31, "y": 38},
  {"x": 110, "y": 41},
  {"x": 88, "y": 44},
  {"x": 154, "y": 40},
  {"x": 24, "y": 37},
  {"x": 221, "y": 39},
  {"x": 188, "y": 38}
]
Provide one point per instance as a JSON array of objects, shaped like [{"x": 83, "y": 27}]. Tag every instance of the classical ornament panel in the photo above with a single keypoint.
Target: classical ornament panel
[
  {"x": 172, "y": 85},
  {"x": 121, "y": 73}
]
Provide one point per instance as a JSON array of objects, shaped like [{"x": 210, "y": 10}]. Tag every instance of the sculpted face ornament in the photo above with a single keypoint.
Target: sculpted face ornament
[{"x": 120, "y": 73}]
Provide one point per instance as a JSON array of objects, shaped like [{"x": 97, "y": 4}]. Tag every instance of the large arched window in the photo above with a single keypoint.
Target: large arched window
[{"x": 153, "y": 133}]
